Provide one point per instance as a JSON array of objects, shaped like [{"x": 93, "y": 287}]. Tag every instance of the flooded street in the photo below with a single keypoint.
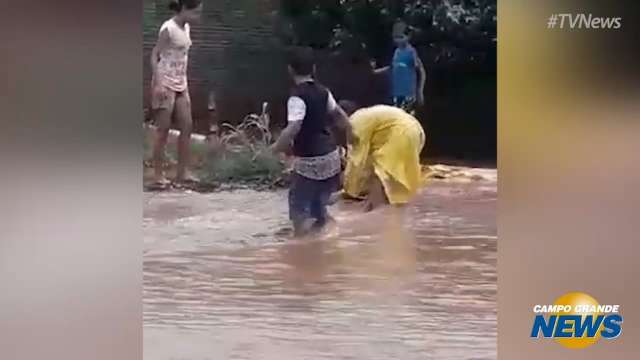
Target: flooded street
[{"x": 223, "y": 281}]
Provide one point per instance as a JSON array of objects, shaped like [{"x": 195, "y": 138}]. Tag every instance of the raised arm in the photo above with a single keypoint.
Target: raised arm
[
  {"x": 377, "y": 70},
  {"x": 381, "y": 70}
]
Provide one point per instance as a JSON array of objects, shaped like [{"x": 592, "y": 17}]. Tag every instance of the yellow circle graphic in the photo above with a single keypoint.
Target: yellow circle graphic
[{"x": 578, "y": 299}]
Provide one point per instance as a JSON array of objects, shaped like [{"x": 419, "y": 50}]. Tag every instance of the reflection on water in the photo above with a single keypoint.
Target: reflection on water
[{"x": 418, "y": 283}]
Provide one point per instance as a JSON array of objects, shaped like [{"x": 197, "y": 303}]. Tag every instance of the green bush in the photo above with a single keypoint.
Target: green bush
[
  {"x": 243, "y": 158},
  {"x": 244, "y": 166}
]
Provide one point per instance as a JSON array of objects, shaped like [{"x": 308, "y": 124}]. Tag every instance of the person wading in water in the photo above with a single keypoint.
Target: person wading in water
[{"x": 312, "y": 112}]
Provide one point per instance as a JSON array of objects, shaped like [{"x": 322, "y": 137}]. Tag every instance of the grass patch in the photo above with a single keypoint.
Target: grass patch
[
  {"x": 244, "y": 166},
  {"x": 238, "y": 158},
  {"x": 242, "y": 157}
]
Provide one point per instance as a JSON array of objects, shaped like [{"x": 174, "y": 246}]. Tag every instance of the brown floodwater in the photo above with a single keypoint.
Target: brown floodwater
[{"x": 222, "y": 280}]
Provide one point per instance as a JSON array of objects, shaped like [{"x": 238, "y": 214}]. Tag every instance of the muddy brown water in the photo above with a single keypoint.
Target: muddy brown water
[{"x": 223, "y": 281}]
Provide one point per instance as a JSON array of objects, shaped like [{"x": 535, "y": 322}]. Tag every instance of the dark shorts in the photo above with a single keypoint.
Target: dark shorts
[
  {"x": 308, "y": 199},
  {"x": 405, "y": 103},
  {"x": 165, "y": 98}
]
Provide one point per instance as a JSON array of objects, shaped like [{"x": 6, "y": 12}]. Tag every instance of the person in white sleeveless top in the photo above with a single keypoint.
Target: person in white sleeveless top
[{"x": 169, "y": 89}]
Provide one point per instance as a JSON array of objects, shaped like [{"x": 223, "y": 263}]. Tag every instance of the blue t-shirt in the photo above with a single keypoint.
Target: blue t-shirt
[{"x": 403, "y": 72}]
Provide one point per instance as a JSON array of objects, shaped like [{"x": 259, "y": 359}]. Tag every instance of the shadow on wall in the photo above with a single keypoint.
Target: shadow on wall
[
  {"x": 459, "y": 115},
  {"x": 252, "y": 76}
]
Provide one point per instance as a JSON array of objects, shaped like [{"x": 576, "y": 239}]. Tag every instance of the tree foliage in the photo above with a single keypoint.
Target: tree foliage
[{"x": 444, "y": 31}]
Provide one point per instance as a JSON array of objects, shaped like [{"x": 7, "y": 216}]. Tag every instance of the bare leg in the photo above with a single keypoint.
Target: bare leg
[
  {"x": 213, "y": 117},
  {"x": 183, "y": 116},
  {"x": 376, "y": 195},
  {"x": 163, "y": 122}
]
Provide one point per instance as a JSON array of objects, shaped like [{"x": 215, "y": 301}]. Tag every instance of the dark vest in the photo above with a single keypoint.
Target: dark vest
[{"x": 314, "y": 138}]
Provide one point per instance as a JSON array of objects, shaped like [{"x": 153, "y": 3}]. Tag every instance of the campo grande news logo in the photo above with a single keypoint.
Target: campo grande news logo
[{"x": 576, "y": 321}]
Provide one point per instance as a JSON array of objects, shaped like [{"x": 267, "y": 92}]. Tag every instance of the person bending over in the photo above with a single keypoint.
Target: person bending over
[{"x": 383, "y": 164}]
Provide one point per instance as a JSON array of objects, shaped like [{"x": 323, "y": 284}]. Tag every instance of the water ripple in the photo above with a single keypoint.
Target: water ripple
[{"x": 219, "y": 284}]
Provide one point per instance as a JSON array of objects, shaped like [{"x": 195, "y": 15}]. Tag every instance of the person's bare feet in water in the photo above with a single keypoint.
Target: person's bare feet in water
[
  {"x": 368, "y": 206},
  {"x": 186, "y": 178},
  {"x": 160, "y": 181},
  {"x": 376, "y": 195}
]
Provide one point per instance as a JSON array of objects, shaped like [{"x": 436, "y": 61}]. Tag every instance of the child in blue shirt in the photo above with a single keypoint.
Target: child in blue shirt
[{"x": 408, "y": 75}]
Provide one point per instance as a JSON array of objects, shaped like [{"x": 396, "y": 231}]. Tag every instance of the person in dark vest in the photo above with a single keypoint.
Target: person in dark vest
[{"x": 312, "y": 112}]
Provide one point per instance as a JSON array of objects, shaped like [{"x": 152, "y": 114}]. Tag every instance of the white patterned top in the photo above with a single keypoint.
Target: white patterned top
[{"x": 172, "y": 67}]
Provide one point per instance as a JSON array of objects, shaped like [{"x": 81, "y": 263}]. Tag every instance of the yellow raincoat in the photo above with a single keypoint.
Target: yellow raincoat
[{"x": 388, "y": 143}]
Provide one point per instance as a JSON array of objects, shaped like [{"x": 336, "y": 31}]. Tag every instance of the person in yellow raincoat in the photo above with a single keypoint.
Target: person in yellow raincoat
[{"x": 383, "y": 161}]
